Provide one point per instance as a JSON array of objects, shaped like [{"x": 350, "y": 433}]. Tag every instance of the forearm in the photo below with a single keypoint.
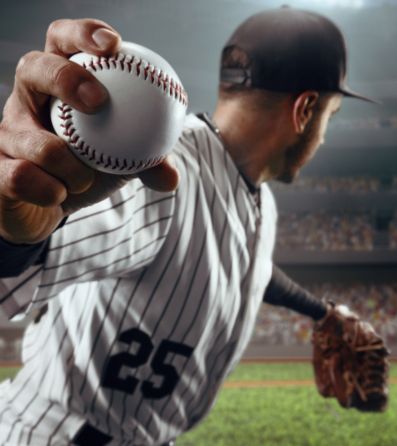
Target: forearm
[{"x": 283, "y": 291}]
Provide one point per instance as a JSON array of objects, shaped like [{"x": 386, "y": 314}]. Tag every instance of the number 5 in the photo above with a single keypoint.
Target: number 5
[
  {"x": 111, "y": 375},
  {"x": 169, "y": 372}
]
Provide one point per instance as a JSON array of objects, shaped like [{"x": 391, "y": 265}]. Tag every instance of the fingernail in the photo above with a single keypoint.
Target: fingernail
[
  {"x": 92, "y": 94},
  {"x": 104, "y": 38}
]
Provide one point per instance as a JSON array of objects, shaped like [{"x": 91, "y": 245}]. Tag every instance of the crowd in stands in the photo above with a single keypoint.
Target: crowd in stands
[
  {"x": 358, "y": 184},
  {"x": 393, "y": 232},
  {"x": 375, "y": 303},
  {"x": 326, "y": 232}
]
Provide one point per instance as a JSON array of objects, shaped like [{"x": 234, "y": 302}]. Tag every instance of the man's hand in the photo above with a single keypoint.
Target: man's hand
[{"x": 41, "y": 181}]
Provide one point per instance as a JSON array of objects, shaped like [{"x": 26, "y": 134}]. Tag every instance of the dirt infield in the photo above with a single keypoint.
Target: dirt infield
[{"x": 276, "y": 383}]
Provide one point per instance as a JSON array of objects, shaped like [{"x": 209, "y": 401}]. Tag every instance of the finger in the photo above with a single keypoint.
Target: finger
[
  {"x": 39, "y": 75},
  {"x": 163, "y": 177},
  {"x": 21, "y": 180},
  {"x": 66, "y": 37},
  {"x": 51, "y": 154}
]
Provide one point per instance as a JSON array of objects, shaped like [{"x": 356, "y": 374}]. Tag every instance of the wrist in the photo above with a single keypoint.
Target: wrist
[
  {"x": 13, "y": 243},
  {"x": 21, "y": 239},
  {"x": 329, "y": 307}
]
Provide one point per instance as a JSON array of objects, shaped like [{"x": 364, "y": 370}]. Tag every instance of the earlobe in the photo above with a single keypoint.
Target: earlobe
[{"x": 303, "y": 110}]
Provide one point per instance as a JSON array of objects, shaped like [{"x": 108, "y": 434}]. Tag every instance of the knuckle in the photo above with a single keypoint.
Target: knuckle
[
  {"x": 53, "y": 27},
  {"x": 18, "y": 177},
  {"x": 50, "y": 153},
  {"x": 25, "y": 62},
  {"x": 19, "y": 185},
  {"x": 62, "y": 74}
]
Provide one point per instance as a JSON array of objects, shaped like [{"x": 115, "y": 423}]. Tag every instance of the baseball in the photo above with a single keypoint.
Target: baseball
[{"x": 141, "y": 122}]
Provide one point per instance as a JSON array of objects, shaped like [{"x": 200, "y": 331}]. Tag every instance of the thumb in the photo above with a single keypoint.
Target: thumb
[{"x": 164, "y": 177}]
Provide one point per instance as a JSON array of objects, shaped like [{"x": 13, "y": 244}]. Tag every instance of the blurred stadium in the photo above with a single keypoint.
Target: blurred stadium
[{"x": 337, "y": 231}]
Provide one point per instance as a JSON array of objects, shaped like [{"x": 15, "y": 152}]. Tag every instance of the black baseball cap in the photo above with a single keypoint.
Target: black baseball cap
[{"x": 290, "y": 50}]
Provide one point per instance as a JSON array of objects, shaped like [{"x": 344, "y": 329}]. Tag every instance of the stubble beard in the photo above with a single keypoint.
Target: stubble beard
[{"x": 296, "y": 155}]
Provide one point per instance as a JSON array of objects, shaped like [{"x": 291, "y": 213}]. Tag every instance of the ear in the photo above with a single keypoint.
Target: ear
[{"x": 302, "y": 111}]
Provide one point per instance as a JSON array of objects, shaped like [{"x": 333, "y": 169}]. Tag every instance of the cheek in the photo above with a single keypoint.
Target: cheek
[
  {"x": 305, "y": 149},
  {"x": 301, "y": 153},
  {"x": 312, "y": 149},
  {"x": 316, "y": 140},
  {"x": 313, "y": 144}
]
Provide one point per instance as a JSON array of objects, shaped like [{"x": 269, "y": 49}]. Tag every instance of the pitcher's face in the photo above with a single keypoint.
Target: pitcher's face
[{"x": 300, "y": 153}]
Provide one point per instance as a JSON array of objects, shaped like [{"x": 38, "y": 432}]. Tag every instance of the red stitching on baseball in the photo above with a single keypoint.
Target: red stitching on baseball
[
  {"x": 91, "y": 154},
  {"x": 151, "y": 73},
  {"x": 125, "y": 62},
  {"x": 138, "y": 68},
  {"x": 92, "y": 65}
]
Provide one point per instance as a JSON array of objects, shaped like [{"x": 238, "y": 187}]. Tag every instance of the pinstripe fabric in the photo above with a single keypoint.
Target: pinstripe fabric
[{"x": 166, "y": 286}]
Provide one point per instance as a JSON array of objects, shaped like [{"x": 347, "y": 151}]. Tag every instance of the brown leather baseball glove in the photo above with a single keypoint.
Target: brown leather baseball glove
[{"x": 350, "y": 360}]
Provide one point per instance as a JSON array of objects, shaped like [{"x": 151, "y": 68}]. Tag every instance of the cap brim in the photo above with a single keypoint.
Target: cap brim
[{"x": 346, "y": 91}]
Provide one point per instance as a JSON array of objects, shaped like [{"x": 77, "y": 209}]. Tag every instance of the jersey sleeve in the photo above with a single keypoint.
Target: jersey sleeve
[
  {"x": 16, "y": 293},
  {"x": 114, "y": 238}
]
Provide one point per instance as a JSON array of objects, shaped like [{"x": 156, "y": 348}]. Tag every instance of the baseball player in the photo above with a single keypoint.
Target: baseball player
[{"x": 145, "y": 293}]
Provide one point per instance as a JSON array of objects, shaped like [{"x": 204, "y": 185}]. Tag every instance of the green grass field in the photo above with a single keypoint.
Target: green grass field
[{"x": 291, "y": 416}]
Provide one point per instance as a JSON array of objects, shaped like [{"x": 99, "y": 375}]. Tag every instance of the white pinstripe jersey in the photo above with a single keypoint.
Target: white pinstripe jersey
[{"x": 152, "y": 298}]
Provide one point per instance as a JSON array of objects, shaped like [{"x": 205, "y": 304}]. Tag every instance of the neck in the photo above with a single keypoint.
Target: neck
[{"x": 254, "y": 146}]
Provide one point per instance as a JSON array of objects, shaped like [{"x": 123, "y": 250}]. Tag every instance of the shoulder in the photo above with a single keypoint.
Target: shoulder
[
  {"x": 197, "y": 142},
  {"x": 200, "y": 154}
]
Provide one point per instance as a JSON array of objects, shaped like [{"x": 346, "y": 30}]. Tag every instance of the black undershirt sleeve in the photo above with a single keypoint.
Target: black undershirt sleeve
[
  {"x": 283, "y": 291},
  {"x": 15, "y": 259}
]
